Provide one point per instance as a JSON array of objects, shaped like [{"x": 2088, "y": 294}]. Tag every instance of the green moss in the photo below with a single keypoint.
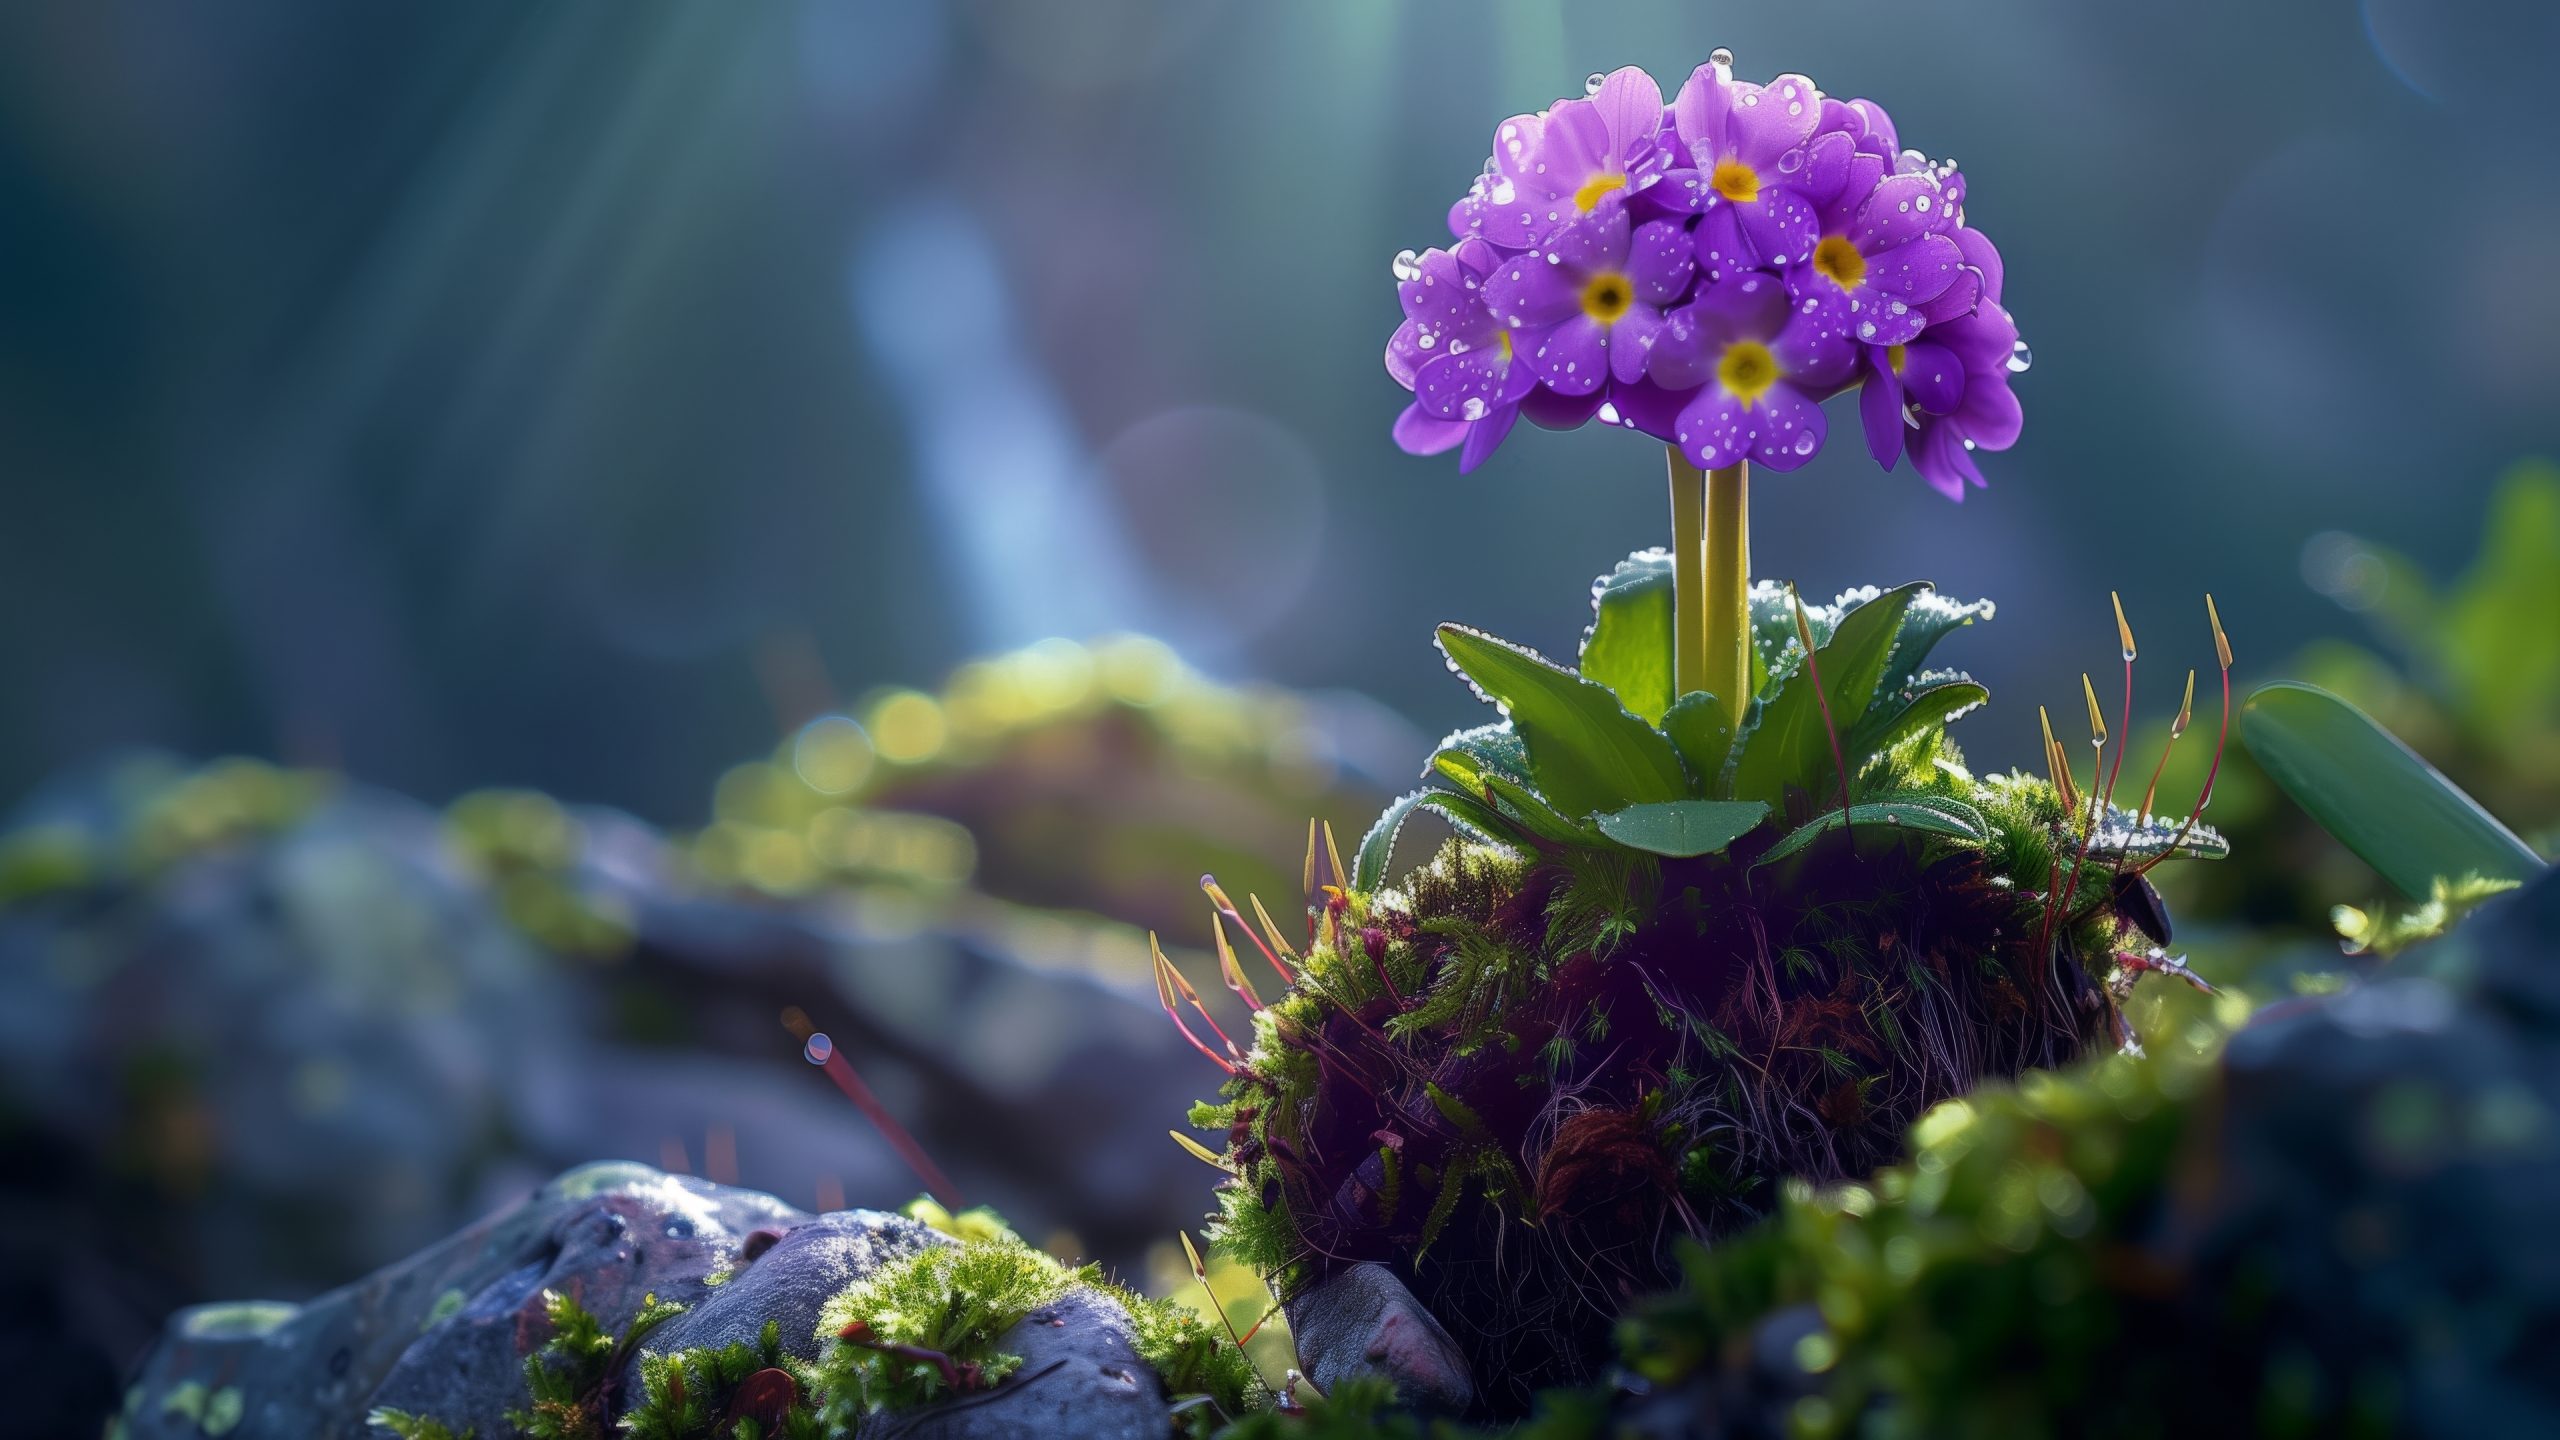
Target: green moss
[
  {"x": 1981, "y": 1285},
  {"x": 685, "y": 1394},
  {"x": 415, "y": 1427},
  {"x": 928, "y": 1323},
  {"x": 565, "y": 1378}
]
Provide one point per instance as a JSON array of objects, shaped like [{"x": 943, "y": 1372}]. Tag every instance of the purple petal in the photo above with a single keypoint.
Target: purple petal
[
  {"x": 1940, "y": 457},
  {"x": 1597, "y": 241},
  {"x": 1883, "y": 320},
  {"x": 1445, "y": 303},
  {"x": 1404, "y": 358},
  {"x": 1990, "y": 414},
  {"x": 1790, "y": 427},
  {"x": 1476, "y": 258},
  {"x": 1463, "y": 387},
  {"x": 1714, "y": 429},
  {"x": 1878, "y": 136},
  {"x": 1572, "y": 358},
  {"x": 1880, "y": 410},
  {"x": 1484, "y": 435},
  {"x": 1630, "y": 108},
  {"x": 1529, "y": 293},
  {"x": 1420, "y": 434},
  {"x": 1467, "y": 216},
  {"x": 1770, "y": 120},
  {"x": 1821, "y": 309},
  {"x": 1701, "y": 115},
  {"x": 1631, "y": 341},
  {"x": 1551, "y": 411},
  {"x": 1812, "y": 357},
  {"x": 1917, "y": 272},
  {"x": 1515, "y": 145},
  {"x": 1866, "y": 172},
  {"x": 1749, "y": 306},
  {"x": 1821, "y": 168},
  {"x": 1932, "y": 377},
  {"x": 1983, "y": 340},
  {"x": 1685, "y": 350},
  {"x": 1719, "y": 242},
  {"x": 1574, "y": 148},
  {"x": 1674, "y": 192},
  {"x": 1661, "y": 261},
  {"x": 1780, "y": 226},
  {"x": 1902, "y": 208},
  {"x": 1648, "y": 407},
  {"x": 1979, "y": 254},
  {"x": 1959, "y": 300}
]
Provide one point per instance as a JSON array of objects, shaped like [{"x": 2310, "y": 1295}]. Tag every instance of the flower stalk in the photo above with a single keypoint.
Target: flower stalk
[
  {"x": 1688, "y": 575},
  {"x": 1728, "y": 590}
]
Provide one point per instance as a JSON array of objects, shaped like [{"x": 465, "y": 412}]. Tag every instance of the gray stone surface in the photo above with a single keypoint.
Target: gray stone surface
[
  {"x": 445, "y": 1332},
  {"x": 1364, "y": 1321}
]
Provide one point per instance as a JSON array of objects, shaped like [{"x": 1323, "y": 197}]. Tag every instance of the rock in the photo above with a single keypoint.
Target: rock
[
  {"x": 318, "y": 1035},
  {"x": 445, "y": 1332},
  {"x": 1080, "y": 1378},
  {"x": 1363, "y": 1321}
]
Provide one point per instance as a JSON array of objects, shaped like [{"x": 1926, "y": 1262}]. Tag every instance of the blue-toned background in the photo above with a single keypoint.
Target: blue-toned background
[{"x": 474, "y": 393}]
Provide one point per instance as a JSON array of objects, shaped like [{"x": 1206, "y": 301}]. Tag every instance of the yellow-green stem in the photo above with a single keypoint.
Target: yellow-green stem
[
  {"x": 1727, "y": 592},
  {"x": 1688, "y": 593}
]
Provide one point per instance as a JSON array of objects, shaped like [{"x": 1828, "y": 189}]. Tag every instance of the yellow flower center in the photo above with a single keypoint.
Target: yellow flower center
[
  {"x": 1595, "y": 189},
  {"x": 1747, "y": 371},
  {"x": 1735, "y": 181},
  {"x": 1893, "y": 357},
  {"x": 1503, "y": 339},
  {"x": 1837, "y": 258},
  {"x": 1607, "y": 297}
]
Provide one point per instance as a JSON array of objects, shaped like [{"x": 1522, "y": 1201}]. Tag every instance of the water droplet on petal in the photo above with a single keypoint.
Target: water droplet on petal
[
  {"x": 1721, "y": 58},
  {"x": 819, "y": 1049},
  {"x": 1804, "y": 442},
  {"x": 1592, "y": 82},
  {"x": 1473, "y": 409},
  {"x": 2020, "y": 357},
  {"x": 1407, "y": 266}
]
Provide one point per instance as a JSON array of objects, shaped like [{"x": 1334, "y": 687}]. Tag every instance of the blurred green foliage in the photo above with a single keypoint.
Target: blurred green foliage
[{"x": 2466, "y": 673}]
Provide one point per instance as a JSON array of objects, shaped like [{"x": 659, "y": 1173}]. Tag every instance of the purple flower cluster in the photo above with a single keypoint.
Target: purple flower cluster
[{"x": 1710, "y": 272}]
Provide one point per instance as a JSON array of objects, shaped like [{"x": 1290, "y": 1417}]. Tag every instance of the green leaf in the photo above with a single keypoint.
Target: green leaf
[
  {"x": 1628, "y": 647},
  {"x": 1931, "y": 618},
  {"x": 1490, "y": 764},
  {"x": 1907, "y": 814},
  {"x": 1493, "y": 747},
  {"x": 1788, "y": 749},
  {"x": 1774, "y": 652},
  {"x": 1932, "y": 699},
  {"x": 2375, "y": 794},
  {"x": 1471, "y": 815},
  {"x": 1698, "y": 729},
  {"x": 1586, "y": 753},
  {"x": 1683, "y": 828},
  {"x": 2125, "y": 835}
]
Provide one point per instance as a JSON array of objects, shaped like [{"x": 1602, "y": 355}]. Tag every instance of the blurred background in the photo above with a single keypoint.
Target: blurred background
[{"x": 723, "y": 418}]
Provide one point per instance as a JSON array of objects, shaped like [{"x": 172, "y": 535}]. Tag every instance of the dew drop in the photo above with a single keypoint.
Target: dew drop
[
  {"x": 1592, "y": 82},
  {"x": 1804, "y": 442},
  {"x": 2020, "y": 357},
  {"x": 819, "y": 1050},
  {"x": 1407, "y": 266},
  {"x": 1473, "y": 409},
  {"x": 1721, "y": 58}
]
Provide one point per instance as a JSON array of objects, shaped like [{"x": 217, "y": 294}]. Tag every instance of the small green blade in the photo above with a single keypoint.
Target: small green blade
[{"x": 2375, "y": 794}]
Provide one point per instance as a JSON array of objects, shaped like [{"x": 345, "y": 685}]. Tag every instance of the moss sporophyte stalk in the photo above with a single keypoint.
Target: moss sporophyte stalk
[{"x": 1722, "y": 906}]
